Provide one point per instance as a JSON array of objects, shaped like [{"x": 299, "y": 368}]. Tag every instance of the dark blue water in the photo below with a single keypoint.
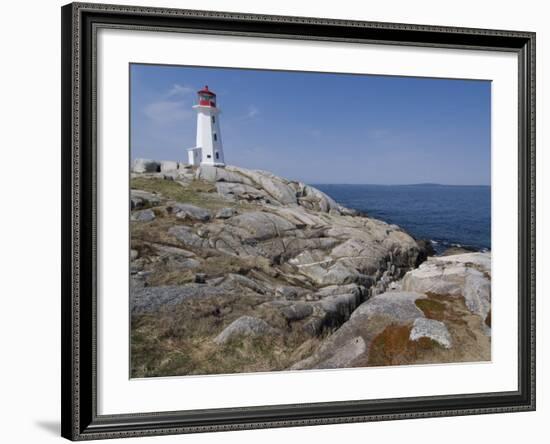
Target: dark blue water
[{"x": 446, "y": 215}]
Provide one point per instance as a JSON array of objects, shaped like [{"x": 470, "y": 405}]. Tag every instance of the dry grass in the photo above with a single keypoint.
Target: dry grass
[
  {"x": 197, "y": 192},
  {"x": 171, "y": 189},
  {"x": 155, "y": 231},
  {"x": 174, "y": 277},
  {"x": 180, "y": 342},
  {"x": 211, "y": 267}
]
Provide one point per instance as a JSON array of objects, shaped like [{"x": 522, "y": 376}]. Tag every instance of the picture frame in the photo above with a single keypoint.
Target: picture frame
[{"x": 80, "y": 176}]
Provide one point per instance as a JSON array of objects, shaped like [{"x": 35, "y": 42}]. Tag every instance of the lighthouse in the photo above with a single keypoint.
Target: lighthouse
[{"x": 208, "y": 149}]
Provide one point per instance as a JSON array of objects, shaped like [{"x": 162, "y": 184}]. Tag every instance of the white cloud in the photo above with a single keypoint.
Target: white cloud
[
  {"x": 172, "y": 106},
  {"x": 178, "y": 90},
  {"x": 167, "y": 112}
]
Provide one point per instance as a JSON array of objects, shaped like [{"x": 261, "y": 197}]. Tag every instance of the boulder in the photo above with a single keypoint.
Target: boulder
[
  {"x": 167, "y": 166},
  {"x": 226, "y": 213},
  {"x": 146, "y": 166},
  {"x": 143, "y": 215},
  {"x": 244, "y": 326},
  {"x": 186, "y": 235},
  {"x": 188, "y": 211},
  {"x": 140, "y": 199},
  {"x": 297, "y": 312}
]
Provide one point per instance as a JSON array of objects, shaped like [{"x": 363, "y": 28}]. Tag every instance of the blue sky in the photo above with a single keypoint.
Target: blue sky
[{"x": 321, "y": 128}]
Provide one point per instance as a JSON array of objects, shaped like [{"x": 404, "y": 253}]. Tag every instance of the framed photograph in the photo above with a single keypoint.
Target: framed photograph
[{"x": 280, "y": 221}]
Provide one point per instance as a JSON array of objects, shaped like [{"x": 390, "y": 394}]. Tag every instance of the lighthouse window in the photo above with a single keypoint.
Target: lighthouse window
[
  {"x": 217, "y": 155},
  {"x": 213, "y": 119},
  {"x": 208, "y": 156},
  {"x": 215, "y": 136}
]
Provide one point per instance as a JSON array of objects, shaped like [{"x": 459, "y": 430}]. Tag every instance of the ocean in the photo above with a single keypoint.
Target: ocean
[{"x": 447, "y": 215}]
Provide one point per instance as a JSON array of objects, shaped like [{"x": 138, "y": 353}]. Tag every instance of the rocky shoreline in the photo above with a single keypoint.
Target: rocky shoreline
[{"x": 235, "y": 270}]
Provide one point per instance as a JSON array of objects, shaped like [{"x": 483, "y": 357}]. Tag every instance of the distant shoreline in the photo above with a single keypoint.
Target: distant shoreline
[{"x": 394, "y": 185}]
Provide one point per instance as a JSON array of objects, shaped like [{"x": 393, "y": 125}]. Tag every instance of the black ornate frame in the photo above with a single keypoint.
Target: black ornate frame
[{"x": 80, "y": 22}]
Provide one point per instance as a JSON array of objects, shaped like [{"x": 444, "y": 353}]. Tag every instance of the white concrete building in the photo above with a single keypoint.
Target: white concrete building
[{"x": 209, "y": 149}]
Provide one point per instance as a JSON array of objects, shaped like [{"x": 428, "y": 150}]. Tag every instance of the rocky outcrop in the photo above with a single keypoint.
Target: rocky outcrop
[
  {"x": 463, "y": 275},
  {"x": 255, "y": 185},
  {"x": 446, "y": 300},
  {"x": 246, "y": 254},
  {"x": 349, "y": 345}
]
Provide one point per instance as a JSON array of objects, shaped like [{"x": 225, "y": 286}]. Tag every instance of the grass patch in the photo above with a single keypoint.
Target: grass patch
[
  {"x": 174, "y": 277},
  {"x": 198, "y": 192},
  {"x": 223, "y": 265},
  {"x": 171, "y": 189},
  {"x": 180, "y": 342},
  {"x": 155, "y": 231}
]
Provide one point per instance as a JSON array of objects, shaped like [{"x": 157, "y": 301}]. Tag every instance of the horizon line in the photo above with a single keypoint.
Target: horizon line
[{"x": 404, "y": 184}]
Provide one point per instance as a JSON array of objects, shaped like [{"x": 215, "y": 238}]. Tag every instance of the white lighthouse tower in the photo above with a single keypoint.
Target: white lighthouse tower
[{"x": 209, "y": 150}]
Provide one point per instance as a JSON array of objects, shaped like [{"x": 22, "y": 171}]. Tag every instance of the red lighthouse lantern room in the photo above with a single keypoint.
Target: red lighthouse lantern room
[{"x": 207, "y": 97}]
